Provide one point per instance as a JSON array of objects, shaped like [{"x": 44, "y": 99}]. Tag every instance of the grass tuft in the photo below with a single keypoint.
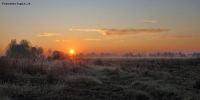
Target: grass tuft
[{"x": 7, "y": 73}]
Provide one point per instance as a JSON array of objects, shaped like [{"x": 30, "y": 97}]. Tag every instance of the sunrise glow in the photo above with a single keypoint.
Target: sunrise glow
[
  {"x": 119, "y": 26},
  {"x": 96, "y": 49},
  {"x": 71, "y": 51}
]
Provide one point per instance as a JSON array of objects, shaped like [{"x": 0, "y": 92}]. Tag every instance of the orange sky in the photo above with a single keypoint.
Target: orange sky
[{"x": 119, "y": 26}]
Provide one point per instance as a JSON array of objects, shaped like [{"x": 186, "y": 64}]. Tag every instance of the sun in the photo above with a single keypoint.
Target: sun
[{"x": 71, "y": 51}]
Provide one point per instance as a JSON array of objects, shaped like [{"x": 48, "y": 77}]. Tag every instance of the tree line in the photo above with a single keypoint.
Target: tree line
[
  {"x": 164, "y": 54},
  {"x": 24, "y": 49}
]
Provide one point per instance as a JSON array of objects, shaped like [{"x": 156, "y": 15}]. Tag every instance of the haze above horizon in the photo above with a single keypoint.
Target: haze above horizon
[{"x": 120, "y": 26}]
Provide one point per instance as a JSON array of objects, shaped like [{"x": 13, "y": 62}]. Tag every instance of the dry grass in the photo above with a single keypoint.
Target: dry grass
[{"x": 135, "y": 79}]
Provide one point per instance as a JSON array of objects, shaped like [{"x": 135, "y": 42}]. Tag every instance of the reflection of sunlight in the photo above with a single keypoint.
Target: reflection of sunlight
[{"x": 71, "y": 51}]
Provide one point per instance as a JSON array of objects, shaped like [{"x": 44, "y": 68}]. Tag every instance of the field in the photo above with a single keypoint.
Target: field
[{"x": 93, "y": 79}]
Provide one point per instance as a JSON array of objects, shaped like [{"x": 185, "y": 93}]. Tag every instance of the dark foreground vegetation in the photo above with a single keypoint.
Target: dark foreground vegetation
[{"x": 107, "y": 79}]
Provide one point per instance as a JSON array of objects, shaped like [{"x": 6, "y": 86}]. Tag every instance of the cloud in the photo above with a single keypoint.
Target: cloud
[
  {"x": 125, "y": 32},
  {"x": 174, "y": 37},
  {"x": 120, "y": 41},
  {"x": 62, "y": 41},
  {"x": 122, "y": 32},
  {"x": 159, "y": 37},
  {"x": 85, "y": 30},
  {"x": 184, "y": 36},
  {"x": 48, "y": 34},
  {"x": 92, "y": 39},
  {"x": 150, "y": 21},
  {"x": 57, "y": 40}
]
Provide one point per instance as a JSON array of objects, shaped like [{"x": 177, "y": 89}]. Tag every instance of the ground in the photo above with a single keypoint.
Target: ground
[{"x": 107, "y": 79}]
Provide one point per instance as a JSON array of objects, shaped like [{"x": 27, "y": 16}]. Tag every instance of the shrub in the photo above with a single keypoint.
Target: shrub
[
  {"x": 83, "y": 80},
  {"x": 6, "y": 71},
  {"x": 51, "y": 78},
  {"x": 33, "y": 70},
  {"x": 197, "y": 84},
  {"x": 98, "y": 62}
]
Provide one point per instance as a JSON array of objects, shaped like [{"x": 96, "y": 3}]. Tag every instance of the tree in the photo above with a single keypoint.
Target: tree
[
  {"x": 102, "y": 54},
  {"x": 128, "y": 55},
  {"x": 49, "y": 51},
  {"x": 158, "y": 54},
  {"x": 25, "y": 43},
  {"x": 15, "y": 49},
  {"x": 11, "y": 49},
  {"x": 34, "y": 50},
  {"x": 39, "y": 51},
  {"x": 22, "y": 49},
  {"x": 57, "y": 55}
]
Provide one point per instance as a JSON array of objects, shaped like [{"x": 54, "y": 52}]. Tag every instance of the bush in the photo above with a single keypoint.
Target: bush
[
  {"x": 98, "y": 62},
  {"x": 33, "y": 70},
  {"x": 197, "y": 84},
  {"x": 81, "y": 80},
  {"x": 6, "y": 71},
  {"x": 51, "y": 78}
]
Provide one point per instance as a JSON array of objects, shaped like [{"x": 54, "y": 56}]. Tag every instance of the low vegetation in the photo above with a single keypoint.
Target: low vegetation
[{"x": 123, "y": 79}]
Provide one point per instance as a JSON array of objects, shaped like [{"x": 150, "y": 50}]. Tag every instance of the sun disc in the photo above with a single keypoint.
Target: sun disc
[{"x": 71, "y": 51}]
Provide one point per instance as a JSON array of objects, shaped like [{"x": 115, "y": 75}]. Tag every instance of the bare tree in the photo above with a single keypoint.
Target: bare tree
[
  {"x": 40, "y": 51},
  {"x": 49, "y": 51}
]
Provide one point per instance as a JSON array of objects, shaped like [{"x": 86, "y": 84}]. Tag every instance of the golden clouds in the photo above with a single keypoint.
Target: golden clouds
[
  {"x": 123, "y": 32},
  {"x": 85, "y": 30},
  {"x": 62, "y": 41},
  {"x": 150, "y": 21},
  {"x": 48, "y": 34},
  {"x": 174, "y": 37},
  {"x": 92, "y": 39}
]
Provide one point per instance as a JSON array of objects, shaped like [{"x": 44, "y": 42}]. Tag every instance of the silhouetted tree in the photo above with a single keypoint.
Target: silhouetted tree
[
  {"x": 196, "y": 55},
  {"x": 57, "y": 55},
  {"x": 128, "y": 55},
  {"x": 49, "y": 51},
  {"x": 158, "y": 54},
  {"x": 138, "y": 55},
  {"x": 12, "y": 48},
  {"x": 102, "y": 54},
  {"x": 40, "y": 51},
  {"x": 22, "y": 49},
  {"x": 151, "y": 55},
  {"x": 34, "y": 50},
  {"x": 91, "y": 54},
  {"x": 81, "y": 55}
]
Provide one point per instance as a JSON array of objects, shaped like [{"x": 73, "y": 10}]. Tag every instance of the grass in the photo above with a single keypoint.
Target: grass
[{"x": 130, "y": 79}]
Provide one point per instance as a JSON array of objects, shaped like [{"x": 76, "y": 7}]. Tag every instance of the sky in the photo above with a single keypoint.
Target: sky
[{"x": 114, "y": 26}]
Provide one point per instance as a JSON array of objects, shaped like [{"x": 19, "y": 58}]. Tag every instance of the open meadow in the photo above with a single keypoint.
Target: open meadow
[
  {"x": 99, "y": 50},
  {"x": 100, "y": 78}
]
